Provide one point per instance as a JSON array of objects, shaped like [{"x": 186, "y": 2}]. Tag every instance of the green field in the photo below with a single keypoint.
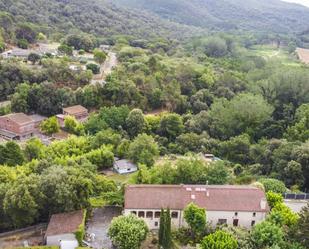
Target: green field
[{"x": 269, "y": 52}]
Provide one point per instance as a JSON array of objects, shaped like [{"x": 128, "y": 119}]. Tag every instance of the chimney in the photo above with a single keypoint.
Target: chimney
[{"x": 263, "y": 204}]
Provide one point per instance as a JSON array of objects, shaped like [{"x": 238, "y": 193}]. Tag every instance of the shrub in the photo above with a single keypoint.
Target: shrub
[
  {"x": 273, "y": 185},
  {"x": 80, "y": 233}
]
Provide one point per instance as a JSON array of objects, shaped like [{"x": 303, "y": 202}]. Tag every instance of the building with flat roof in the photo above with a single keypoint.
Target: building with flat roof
[{"x": 242, "y": 206}]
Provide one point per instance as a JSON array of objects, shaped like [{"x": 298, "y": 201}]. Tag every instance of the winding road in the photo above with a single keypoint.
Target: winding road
[{"x": 106, "y": 69}]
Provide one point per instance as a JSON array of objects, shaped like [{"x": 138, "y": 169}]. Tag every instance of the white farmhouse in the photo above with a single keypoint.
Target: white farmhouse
[{"x": 242, "y": 206}]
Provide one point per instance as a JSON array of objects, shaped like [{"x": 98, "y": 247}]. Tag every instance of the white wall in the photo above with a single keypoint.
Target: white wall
[
  {"x": 244, "y": 218},
  {"x": 55, "y": 239}
]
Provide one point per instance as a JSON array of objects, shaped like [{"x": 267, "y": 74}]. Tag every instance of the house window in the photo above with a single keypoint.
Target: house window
[
  {"x": 235, "y": 222},
  {"x": 254, "y": 214},
  {"x": 156, "y": 224},
  {"x": 133, "y": 212},
  {"x": 149, "y": 214},
  {"x": 252, "y": 223},
  {"x": 236, "y": 213},
  {"x": 157, "y": 214},
  {"x": 141, "y": 214},
  {"x": 174, "y": 215},
  {"x": 222, "y": 221}
]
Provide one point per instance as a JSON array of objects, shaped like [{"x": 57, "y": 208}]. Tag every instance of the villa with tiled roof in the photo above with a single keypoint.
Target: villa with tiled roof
[{"x": 242, "y": 206}]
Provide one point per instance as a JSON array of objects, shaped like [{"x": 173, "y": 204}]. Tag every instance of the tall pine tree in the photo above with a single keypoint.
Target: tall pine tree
[
  {"x": 165, "y": 233},
  {"x": 161, "y": 227}
]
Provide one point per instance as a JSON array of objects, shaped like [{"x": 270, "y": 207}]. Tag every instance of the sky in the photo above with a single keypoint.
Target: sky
[{"x": 303, "y": 2}]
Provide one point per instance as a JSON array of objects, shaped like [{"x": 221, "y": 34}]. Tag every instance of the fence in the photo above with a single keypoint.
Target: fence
[
  {"x": 291, "y": 196},
  {"x": 24, "y": 230}
]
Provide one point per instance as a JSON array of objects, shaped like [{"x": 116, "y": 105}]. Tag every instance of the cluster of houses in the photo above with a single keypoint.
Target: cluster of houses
[
  {"x": 20, "y": 126},
  {"x": 242, "y": 206},
  {"x": 41, "y": 49}
]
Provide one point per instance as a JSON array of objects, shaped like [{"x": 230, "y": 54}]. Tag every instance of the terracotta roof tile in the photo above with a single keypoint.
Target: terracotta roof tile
[
  {"x": 64, "y": 223},
  {"x": 210, "y": 197},
  {"x": 19, "y": 118}
]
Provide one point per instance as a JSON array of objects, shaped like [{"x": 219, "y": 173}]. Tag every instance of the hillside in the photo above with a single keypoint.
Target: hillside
[
  {"x": 261, "y": 15},
  {"x": 98, "y": 17}
]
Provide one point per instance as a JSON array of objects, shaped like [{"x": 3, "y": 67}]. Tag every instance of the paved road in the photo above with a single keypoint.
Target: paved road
[
  {"x": 106, "y": 68},
  {"x": 99, "y": 224}
]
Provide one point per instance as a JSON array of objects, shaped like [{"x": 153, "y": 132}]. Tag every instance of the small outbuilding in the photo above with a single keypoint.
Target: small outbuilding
[
  {"x": 124, "y": 166},
  {"x": 62, "y": 228}
]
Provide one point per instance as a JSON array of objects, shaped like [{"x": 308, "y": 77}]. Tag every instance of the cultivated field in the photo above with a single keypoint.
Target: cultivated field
[{"x": 303, "y": 54}]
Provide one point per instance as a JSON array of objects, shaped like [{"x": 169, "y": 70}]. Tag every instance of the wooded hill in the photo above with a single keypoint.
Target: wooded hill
[
  {"x": 260, "y": 15},
  {"x": 98, "y": 17}
]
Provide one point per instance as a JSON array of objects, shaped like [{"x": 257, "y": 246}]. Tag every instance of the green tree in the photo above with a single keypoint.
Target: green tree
[
  {"x": 143, "y": 150},
  {"x": 273, "y": 185},
  {"x": 196, "y": 219},
  {"x": 127, "y": 232},
  {"x": 245, "y": 113},
  {"x": 12, "y": 154},
  {"x": 22, "y": 201},
  {"x": 282, "y": 215},
  {"x": 65, "y": 49},
  {"x": 34, "y": 149},
  {"x": 274, "y": 199},
  {"x": 99, "y": 56},
  {"x": 217, "y": 173},
  {"x": 135, "y": 122},
  {"x": 50, "y": 126},
  {"x": 34, "y": 58},
  {"x": 219, "y": 240},
  {"x": 25, "y": 31},
  {"x": 94, "y": 68},
  {"x": 73, "y": 126},
  {"x": 171, "y": 126},
  {"x": 216, "y": 47},
  {"x": 302, "y": 227},
  {"x": 266, "y": 234},
  {"x": 165, "y": 236}
]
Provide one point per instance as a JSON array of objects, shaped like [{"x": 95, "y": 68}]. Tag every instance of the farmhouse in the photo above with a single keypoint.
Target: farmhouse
[
  {"x": 79, "y": 112},
  {"x": 233, "y": 205},
  {"x": 62, "y": 227},
  {"x": 16, "y": 126},
  {"x": 124, "y": 166}
]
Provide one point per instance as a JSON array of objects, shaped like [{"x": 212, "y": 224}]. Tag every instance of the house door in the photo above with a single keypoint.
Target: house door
[{"x": 235, "y": 222}]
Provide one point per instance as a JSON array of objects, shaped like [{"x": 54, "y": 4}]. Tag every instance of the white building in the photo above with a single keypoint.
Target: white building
[
  {"x": 242, "y": 206},
  {"x": 62, "y": 227},
  {"x": 124, "y": 166}
]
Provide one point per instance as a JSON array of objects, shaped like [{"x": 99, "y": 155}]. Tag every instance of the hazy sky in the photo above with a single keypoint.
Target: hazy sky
[{"x": 303, "y": 2}]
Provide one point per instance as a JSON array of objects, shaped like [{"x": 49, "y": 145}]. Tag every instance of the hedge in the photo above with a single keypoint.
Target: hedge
[{"x": 80, "y": 233}]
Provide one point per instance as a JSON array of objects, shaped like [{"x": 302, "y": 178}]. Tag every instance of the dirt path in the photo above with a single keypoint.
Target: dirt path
[{"x": 106, "y": 69}]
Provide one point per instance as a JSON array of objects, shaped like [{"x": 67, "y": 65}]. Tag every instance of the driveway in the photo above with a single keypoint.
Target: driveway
[{"x": 99, "y": 223}]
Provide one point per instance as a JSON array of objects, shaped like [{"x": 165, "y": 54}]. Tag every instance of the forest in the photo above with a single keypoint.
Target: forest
[{"x": 179, "y": 91}]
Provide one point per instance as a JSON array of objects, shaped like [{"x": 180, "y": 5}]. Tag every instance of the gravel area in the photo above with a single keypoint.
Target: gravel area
[{"x": 99, "y": 223}]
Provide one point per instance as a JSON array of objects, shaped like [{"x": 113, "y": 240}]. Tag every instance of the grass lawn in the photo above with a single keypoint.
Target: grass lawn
[{"x": 121, "y": 179}]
